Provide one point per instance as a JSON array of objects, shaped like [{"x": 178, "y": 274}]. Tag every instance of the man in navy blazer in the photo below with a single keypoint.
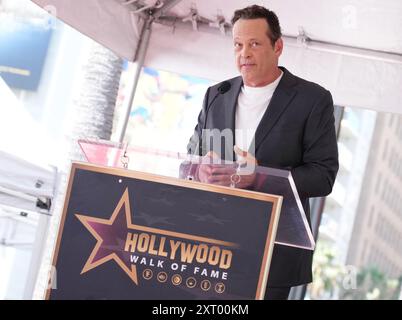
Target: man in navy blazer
[{"x": 293, "y": 125}]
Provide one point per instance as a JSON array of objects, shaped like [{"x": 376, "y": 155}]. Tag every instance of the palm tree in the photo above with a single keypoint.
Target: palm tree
[{"x": 94, "y": 108}]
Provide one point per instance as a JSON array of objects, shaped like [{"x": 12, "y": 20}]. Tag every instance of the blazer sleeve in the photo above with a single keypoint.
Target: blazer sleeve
[{"x": 316, "y": 176}]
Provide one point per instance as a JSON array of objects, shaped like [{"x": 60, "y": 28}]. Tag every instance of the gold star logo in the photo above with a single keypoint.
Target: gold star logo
[{"x": 99, "y": 227}]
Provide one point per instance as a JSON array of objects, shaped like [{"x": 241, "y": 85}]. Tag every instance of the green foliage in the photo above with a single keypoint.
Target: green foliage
[{"x": 369, "y": 283}]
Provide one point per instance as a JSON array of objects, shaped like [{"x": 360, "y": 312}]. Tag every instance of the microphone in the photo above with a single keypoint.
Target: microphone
[{"x": 222, "y": 89}]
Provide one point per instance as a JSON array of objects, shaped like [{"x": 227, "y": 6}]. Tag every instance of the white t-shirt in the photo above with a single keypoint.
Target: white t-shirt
[{"x": 251, "y": 106}]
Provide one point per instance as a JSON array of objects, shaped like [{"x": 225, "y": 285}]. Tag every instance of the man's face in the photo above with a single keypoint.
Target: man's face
[{"x": 256, "y": 59}]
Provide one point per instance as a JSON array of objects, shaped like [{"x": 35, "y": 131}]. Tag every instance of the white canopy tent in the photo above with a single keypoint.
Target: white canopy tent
[
  {"x": 27, "y": 183},
  {"x": 351, "y": 47},
  {"x": 25, "y": 176}
]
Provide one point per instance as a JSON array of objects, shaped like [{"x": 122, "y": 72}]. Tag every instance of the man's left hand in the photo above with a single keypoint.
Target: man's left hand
[{"x": 246, "y": 173}]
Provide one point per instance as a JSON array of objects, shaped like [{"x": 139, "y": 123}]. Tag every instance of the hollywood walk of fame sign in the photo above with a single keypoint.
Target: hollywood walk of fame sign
[{"x": 133, "y": 235}]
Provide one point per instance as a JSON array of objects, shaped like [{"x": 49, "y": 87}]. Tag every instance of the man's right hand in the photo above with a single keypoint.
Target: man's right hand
[{"x": 211, "y": 171}]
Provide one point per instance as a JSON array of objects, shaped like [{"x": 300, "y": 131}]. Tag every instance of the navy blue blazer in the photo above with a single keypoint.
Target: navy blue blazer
[{"x": 296, "y": 133}]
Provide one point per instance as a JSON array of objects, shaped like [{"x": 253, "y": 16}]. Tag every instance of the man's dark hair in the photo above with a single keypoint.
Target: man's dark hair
[{"x": 257, "y": 12}]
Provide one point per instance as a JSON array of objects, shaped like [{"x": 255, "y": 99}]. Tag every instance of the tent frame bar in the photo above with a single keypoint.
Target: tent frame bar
[{"x": 300, "y": 41}]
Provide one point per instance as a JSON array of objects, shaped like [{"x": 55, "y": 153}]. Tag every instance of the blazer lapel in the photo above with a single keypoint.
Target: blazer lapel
[
  {"x": 280, "y": 100},
  {"x": 230, "y": 114}
]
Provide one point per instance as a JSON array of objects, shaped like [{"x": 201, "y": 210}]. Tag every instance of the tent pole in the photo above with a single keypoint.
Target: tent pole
[{"x": 140, "y": 58}]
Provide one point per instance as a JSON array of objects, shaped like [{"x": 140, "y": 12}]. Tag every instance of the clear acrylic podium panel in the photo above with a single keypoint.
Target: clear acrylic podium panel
[{"x": 293, "y": 229}]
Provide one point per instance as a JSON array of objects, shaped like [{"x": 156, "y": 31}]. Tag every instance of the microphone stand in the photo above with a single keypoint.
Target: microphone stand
[{"x": 222, "y": 89}]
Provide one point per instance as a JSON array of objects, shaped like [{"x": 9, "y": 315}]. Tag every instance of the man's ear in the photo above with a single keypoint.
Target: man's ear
[{"x": 278, "y": 48}]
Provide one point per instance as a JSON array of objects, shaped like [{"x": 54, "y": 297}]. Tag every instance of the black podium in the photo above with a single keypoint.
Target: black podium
[{"x": 138, "y": 225}]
